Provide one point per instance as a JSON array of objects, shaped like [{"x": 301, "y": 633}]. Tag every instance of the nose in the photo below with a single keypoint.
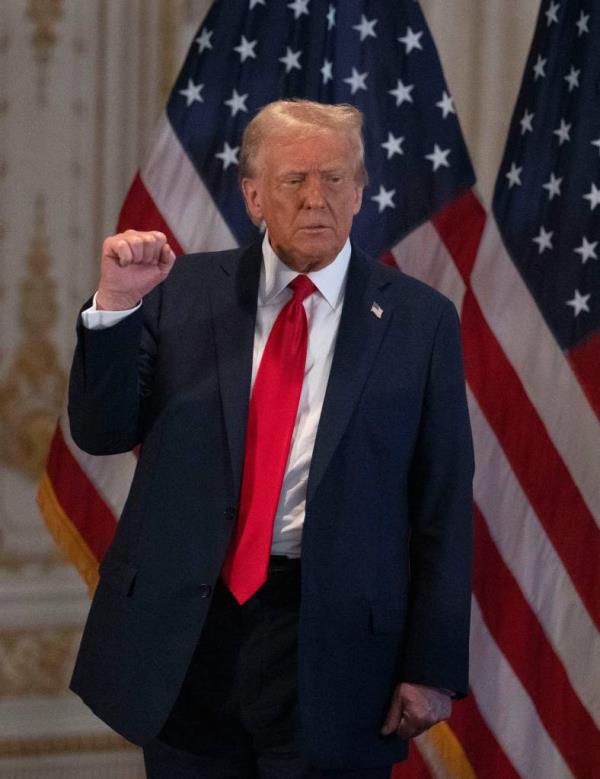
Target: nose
[{"x": 313, "y": 193}]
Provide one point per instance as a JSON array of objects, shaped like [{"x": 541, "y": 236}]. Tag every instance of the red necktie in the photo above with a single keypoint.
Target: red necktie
[{"x": 271, "y": 419}]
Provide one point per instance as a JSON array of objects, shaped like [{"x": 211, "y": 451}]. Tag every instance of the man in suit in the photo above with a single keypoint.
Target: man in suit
[{"x": 287, "y": 593}]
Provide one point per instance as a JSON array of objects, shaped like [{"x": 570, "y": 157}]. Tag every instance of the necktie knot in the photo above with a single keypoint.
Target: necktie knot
[{"x": 302, "y": 287}]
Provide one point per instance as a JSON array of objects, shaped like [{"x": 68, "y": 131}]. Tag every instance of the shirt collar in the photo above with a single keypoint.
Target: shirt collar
[{"x": 330, "y": 280}]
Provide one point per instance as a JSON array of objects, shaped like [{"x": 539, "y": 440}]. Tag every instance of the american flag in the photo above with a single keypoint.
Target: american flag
[{"x": 529, "y": 322}]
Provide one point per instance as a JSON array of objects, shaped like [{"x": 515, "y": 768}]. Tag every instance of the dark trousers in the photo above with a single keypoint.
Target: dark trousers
[{"x": 236, "y": 716}]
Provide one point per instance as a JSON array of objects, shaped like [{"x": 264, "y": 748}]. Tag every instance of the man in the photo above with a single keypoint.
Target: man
[{"x": 287, "y": 593}]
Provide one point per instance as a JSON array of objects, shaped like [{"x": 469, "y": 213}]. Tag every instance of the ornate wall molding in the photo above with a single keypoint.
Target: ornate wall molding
[
  {"x": 45, "y": 15},
  {"x": 32, "y": 394}
]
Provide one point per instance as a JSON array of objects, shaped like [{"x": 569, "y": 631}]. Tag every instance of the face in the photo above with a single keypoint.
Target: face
[{"x": 306, "y": 191}]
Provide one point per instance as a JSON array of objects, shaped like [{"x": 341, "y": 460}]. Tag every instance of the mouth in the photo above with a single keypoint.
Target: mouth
[{"x": 314, "y": 229}]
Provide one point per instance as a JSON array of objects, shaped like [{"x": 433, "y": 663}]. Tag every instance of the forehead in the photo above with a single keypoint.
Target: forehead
[{"x": 322, "y": 148}]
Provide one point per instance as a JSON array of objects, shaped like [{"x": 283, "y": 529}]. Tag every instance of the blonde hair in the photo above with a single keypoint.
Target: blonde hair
[{"x": 301, "y": 117}]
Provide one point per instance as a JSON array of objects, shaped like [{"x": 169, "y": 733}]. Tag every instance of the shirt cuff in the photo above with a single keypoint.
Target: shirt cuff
[{"x": 95, "y": 319}]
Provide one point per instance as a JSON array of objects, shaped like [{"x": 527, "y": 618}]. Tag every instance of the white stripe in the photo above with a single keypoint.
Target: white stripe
[
  {"x": 533, "y": 561},
  {"x": 508, "y": 709},
  {"x": 422, "y": 254},
  {"x": 180, "y": 195},
  {"x": 111, "y": 475},
  {"x": 547, "y": 377}
]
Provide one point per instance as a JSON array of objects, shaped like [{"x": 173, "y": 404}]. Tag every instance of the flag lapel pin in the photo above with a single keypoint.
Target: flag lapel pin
[{"x": 376, "y": 310}]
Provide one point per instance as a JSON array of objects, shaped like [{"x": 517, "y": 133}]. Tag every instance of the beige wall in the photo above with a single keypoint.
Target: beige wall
[{"x": 81, "y": 82}]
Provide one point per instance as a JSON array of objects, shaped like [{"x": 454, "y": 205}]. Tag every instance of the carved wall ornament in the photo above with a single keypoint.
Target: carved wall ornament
[
  {"x": 36, "y": 661},
  {"x": 31, "y": 395},
  {"x": 45, "y": 15}
]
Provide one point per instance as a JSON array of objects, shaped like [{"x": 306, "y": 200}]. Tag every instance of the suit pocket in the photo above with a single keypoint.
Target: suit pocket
[
  {"x": 387, "y": 617},
  {"x": 118, "y": 572}
]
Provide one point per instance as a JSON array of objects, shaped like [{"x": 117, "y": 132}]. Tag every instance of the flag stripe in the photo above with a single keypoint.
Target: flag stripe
[
  {"x": 510, "y": 412},
  {"x": 181, "y": 196},
  {"x": 534, "y": 562},
  {"x": 139, "y": 212},
  {"x": 547, "y": 377},
  {"x": 460, "y": 224},
  {"x": 65, "y": 534},
  {"x": 523, "y": 437},
  {"x": 585, "y": 361},
  {"x": 422, "y": 255},
  {"x": 79, "y": 498},
  {"x": 483, "y": 750},
  {"x": 508, "y": 709},
  {"x": 110, "y": 475},
  {"x": 525, "y": 647}
]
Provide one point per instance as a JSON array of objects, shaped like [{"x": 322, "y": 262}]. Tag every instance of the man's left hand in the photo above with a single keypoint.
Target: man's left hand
[{"x": 414, "y": 709}]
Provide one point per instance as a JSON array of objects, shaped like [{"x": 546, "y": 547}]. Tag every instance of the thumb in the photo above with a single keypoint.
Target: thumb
[
  {"x": 392, "y": 719},
  {"x": 166, "y": 259}
]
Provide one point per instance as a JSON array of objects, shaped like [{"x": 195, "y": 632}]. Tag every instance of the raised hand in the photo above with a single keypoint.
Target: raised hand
[{"x": 132, "y": 264}]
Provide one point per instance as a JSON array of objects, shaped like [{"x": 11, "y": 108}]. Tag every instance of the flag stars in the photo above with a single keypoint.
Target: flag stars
[
  {"x": 543, "y": 240},
  {"x": 563, "y": 132},
  {"x": 579, "y": 303},
  {"x": 326, "y": 71},
  {"x": 331, "y": 17},
  {"x": 291, "y": 60},
  {"x": 384, "y": 198},
  {"x": 582, "y": 23},
  {"x": 552, "y": 14},
  {"x": 587, "y": 250},
  {"x": 446, "y": 105},
  {"x": 596, "y": 143},
  {"x": 514, "y": 176},
  {"x": 299, "y": 7},
  {"x": 393, "y": 145},
  {"x": 237, "y": 102},
  {"x": 366, "y": 28},
  {"x": 412, "y": 40},
  {"x": 553, "y": 186},
  {"x": 192, "y": 93},
  {"x": 573, "y": 78},
  {"x": 438, "y": 157},
  {"x": 245, "y": 49},
  {"x": 402, "y": 93},
  {"x": 526, "y": 122},
  {"x": 256, "y": 2},
  {"x": 539, "y": 67},
  {"x": 229, "y": 155},
  {"x": 593, "y": 196},
  {"x": 357, "y": 81},
  {"x": 203, "y": 40}
]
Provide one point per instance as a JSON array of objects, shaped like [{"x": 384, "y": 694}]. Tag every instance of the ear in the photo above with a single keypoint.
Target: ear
[
  {"x": 358, "y": 195},
  {"x": 252, "y": 198}
]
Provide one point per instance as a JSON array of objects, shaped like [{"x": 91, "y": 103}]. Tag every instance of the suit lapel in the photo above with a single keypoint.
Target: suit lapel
[
  {"x": 234, "y": 299},
  {"x": 359, "y": 336}
]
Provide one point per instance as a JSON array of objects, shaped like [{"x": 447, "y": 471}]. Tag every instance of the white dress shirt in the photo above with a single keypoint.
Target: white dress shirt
[{"x": 323, "y": 310}]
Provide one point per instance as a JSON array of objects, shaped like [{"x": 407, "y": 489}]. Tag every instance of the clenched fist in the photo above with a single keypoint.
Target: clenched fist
[{"x": 132, "y": 264}]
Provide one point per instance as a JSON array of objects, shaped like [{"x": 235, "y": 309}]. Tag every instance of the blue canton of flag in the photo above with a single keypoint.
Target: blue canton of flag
[
  {"x": 378, "y": 56},
  {"x": 546, "y": 202}
]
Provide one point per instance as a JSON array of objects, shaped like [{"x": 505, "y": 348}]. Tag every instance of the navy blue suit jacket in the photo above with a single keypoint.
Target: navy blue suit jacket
[{"x": 387, "y": 536}]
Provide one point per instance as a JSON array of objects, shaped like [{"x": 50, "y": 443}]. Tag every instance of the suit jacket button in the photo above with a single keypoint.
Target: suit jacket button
[
  {"x": 230, "y": 512},
  {"x": 205, "y": 590}
]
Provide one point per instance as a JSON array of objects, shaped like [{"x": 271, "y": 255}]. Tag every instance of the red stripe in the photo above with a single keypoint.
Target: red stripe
[
  {"x": 139, "y": 212},
  {"x": 484, "y": 753},
  {"x": 460, "y": 224},
  {"x": 523, "y": 437},
  {"x": 522, "y": 434},
  {"x": 79, "y": 499},
  {"x": 413, "y": 768},
  {"x": 585, "y": 361},
  {"x": 523, "y": 643}
]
